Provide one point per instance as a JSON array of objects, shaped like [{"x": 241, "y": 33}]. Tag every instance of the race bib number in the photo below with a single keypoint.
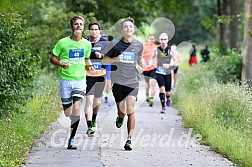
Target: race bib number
[
  {"x": 161, "y": 70},
  {"x": 76, "y": 54},
  {"x": 97, "y": 66},
  {"x": 98, "y": 48},
  {"x": 128, "y": 57}
]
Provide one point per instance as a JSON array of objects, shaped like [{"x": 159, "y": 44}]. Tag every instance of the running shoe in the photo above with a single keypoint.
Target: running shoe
[
  {"x": 94, "y": 126},
  {"x": 151, "y": 101},
  {"x": 148, "y": 98},
  {"x": 169, "y": 102},
  {"x": 71, "y": 145},
  {"x": 163, "y": 111},
  {"x": 105, "y": 99},
  {"x": 119, "y": 123},
  {"x": 90, "y": 132},
  {"x": 127, "y": 145}
]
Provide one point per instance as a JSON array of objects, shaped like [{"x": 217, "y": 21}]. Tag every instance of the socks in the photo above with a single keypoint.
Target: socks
[
  {"x": 74, "y": 125},
  {"x": 162, "y": 99},
  {"x": 89, "y": 124},
  {"x": 147, "y": 94},
  {"x": 168, "y": 97},
  {"x": 94, "y": 117}
]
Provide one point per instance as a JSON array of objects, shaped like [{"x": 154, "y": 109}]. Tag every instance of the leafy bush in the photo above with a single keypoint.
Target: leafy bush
[
  {"x": 199, "y": 76},
  {"x": 227, "y": 68},
  {"x": 17, "y": 65},
  {"x": 19, "y": 130}
]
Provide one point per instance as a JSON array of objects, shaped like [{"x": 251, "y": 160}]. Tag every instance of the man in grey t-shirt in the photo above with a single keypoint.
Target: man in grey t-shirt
[{"x": 124, "y": 54}]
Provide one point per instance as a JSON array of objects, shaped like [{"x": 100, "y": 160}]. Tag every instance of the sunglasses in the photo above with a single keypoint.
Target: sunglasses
[{"x": 163, "y": 39}]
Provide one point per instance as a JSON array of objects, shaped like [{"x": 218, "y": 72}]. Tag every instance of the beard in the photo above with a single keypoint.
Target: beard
[{"x": 77, "y": 32}]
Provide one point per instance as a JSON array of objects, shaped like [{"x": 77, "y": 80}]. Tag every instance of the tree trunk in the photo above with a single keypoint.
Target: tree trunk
[
  {"x": 233, "y": 24},
  {"x": 222, "y": 10},
  {"x": 247, "y": 44}
]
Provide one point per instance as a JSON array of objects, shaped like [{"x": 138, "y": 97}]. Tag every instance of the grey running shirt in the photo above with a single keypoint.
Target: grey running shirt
[
  {"x": 125, "y": 72},
  {"x": 163, "y": 56}
]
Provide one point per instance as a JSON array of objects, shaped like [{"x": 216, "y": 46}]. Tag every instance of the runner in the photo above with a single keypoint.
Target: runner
[
  {"x": 72, "y": 55},
  {"x": 124, "y": 53},
  {"x": 163, "y": 73},
  {"x": 176, "y": 66},
  {"x": 149, "y": 72},
  {"x": 108, "y": 83},
  {"x": 95, "y": 80}
]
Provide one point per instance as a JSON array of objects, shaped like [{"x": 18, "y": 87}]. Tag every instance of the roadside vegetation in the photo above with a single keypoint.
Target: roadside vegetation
[
  {"x": 209, "y": 96},
  {"x": 19, "y": 130},
  {"x": 216, "y": 105}
]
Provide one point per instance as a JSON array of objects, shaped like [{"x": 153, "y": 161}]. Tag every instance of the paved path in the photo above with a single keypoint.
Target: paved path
[{"x": 159, "y": 140}]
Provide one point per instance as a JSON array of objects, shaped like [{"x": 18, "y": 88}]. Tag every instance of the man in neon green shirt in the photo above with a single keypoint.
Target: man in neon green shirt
[{"x": 72, "y": 55}]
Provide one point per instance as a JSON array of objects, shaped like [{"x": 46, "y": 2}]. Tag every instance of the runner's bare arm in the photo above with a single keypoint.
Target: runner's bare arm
[
  {"x": 179, "y": 57},
  {"x": 155, "y": 53},
  {"x": 89, "y": 64},
  {"x": 98, "y": 54},
  {"x": 154, "y": 56},
  {"x": 54, "y": 60},
  {"x": 175, "y": 59},
  {"x": 108, "y": 60},
  {"x": 174, "y": 54},
  {"x": 140, "y": 61}
]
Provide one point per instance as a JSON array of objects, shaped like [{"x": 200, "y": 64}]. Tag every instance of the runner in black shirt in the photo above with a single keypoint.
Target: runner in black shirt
[
  {"x": 124, "y": 53},
  {"x": 96, "y": 79}
]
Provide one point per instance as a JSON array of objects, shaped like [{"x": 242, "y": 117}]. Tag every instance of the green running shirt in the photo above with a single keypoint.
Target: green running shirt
[{"x": 75, "y": 53}]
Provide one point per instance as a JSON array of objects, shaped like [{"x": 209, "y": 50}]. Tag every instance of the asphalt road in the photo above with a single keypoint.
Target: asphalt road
[{"x": 159, "y": 140}]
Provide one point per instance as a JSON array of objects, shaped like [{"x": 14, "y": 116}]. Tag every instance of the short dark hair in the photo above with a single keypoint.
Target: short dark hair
[
  {"x": 94, "y": 23},
  {"x": 151, "y": 35},
  {"x": 127, "y": 19},
  {"x": 76, "y": 18}
]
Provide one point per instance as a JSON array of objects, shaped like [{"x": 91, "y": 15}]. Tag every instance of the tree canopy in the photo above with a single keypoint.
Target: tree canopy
[{"x": 43, "y": 22}]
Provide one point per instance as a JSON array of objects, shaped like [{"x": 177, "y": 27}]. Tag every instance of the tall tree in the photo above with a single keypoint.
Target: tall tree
[
  {"x": 222, "y": 11},
  {"x": 247, "y": 44},
  {"x": 233, "y": 6}
]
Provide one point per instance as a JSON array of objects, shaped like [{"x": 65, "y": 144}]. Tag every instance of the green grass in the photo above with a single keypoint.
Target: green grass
[
  {"x": 221, "y": 113},
  {"x": 18, "y": 131}
]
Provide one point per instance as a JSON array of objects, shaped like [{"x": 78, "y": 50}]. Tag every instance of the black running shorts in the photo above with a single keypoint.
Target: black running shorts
[
  {"x": 164, "y": 80},
  {"x": 95, "y": 86},
  {"x": 120, "y": 92}
]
